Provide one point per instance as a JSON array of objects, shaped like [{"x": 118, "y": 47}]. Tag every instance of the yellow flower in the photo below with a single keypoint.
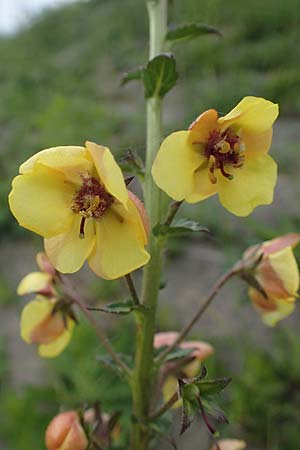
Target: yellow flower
[
  {"x": 43, "y": 323},
  {"x": 226, "y": 155},
  {"x": 39, "y": 282},
  {"x": 277, "y": 275},
  {"x": 65, "y": 432},
  {"x": 201, "y": 351},
  {"x": 76, "y": 198}
]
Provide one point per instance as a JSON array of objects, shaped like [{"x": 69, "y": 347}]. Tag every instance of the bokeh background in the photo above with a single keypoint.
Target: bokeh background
[{"x": 60, "y": 73}]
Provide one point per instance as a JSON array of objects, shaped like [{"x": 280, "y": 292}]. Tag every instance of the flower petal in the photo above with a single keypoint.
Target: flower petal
[
  {"x": 33, "y": 314},
  {"x": 281, "y": 242},
  {"x": 203, "y": 188},
  {"x": 252, "y": 185},
  {"x": 284, "y": 309},
  {"x": 41, "y": 201},
  {"x": 120, "y": 240},
  {"x": 272, "y": 310},
  {"x": 203, "y": 126},
  {"x": 175, "y": 165},
  {"x": 257, "y": 142},
  {"x": 109, "y": 172},
  {"x": 58, "y": 345},
  {"x": 285, "y": 266},
  {"x": 68, "y": 252},
  {"x": 74, "y": 162},
  {"x": 169, "y": 388},
  {"x": 34, "y": 282},
  {"x": 252, "y": 114}
]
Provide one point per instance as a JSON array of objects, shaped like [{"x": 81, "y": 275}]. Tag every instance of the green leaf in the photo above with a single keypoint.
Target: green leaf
[
  {"x": 160, "y": 75},
  {"x": 180, "y": 226},
  {"x": 185, "y": 32},
  {"x": 211, "y": 387},
  {"x": 213, "y": 410},
  {"x": 133, "y": 75},
  {"x": 123, "y": 307}
]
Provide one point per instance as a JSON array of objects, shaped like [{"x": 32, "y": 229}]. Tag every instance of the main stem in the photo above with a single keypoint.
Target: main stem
[{"x": 143, "y": 376}]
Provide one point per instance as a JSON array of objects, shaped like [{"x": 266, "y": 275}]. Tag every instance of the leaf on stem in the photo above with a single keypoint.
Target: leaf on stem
[
  {"x": 198, "y": 395},
  {"x": 123, "y": 307},
  {"x": 179, "y": 226},
  {"x": 160, "y": 75},
  {"x": 132, "y": 75},
  {"x": 185, "y": 32}
]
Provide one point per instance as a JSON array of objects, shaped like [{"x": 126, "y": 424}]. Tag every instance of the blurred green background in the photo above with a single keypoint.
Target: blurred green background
[{"x": 60, "y": 85}]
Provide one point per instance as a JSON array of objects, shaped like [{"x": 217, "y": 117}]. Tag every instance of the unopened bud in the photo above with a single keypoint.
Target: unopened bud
[{"x": 65, "y": 432}]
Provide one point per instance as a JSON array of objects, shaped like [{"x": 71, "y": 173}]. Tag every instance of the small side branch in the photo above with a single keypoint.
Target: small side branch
[
  {"x": 173, "y": 208},
  {"x": 165, "y": 407},
  {"x": 214, "y": 291},
  {"x": 74, "y": 297},
  {"x": 132, "y": 290}
]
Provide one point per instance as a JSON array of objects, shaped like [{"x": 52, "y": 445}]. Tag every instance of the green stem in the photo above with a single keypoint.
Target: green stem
[{"x": 143, "y": 375}]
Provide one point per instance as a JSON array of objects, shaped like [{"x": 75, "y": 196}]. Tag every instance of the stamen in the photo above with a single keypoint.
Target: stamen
[
  {"x": 225, "y": 174},
  {"x": 81, "y": 231},
  {"x": 211, "y": 167}
]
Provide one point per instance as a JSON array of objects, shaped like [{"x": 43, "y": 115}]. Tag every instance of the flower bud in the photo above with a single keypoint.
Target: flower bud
[
  {"x": 274, "y": 280},
  {"x": 230, "y": 444},
  {"x": 44, "y": 264},
  {"x": 42, "y": 324},
  {"x": 188, "y": 366},
  {"x": 66, "y": 433}
]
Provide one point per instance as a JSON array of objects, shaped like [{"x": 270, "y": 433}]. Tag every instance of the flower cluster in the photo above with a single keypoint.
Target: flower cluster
[{"x": 48, "y": 320}]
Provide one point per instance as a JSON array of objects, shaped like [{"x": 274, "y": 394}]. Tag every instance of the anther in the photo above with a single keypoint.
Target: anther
[
  {"x": 223, "y": 147},
  {"x": 81, "y": 231},
  {"x": 211, "y": 167}
]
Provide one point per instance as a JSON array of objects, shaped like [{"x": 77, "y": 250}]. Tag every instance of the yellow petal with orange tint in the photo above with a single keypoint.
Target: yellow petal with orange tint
[
  {"x": 58, "y": 345},
  {"x": 41, "y": 201},
  {"x": 109, "y": 172},
  {"x": 33, "y": 314},
  {"x": 73, "y": 162},
  {"x": 284, "y": 309},
  {"x": 120, "y": 240},
  {"x": 175, "y": 165},
  {"x": 252, "y": 185},
  {"x": 252, "y": 114},
  {"x": 285, "y": 266},
  {"x": 68, "y": 252},
  {"x": 203, "y": 126},
  {"x": 33, "y": 282}
]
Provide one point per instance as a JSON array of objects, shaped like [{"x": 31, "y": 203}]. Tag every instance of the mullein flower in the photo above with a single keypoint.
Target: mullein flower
[
  {"x": 42, "y": 282},
  {"x": 187, "y": 368},
  {"x": 227, "y": 156},
  {"x": 65, "y": 432},
  {"x": 230, "y": 444},
  {"x": 274, "y": 279},
  {"x": 76, "y": 198},
  {"x": 48, "y": 323}
]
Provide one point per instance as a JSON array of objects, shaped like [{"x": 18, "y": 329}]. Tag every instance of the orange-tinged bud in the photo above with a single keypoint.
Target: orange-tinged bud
[
  {"x": 165, "y": 338},
  {"x": 48, "y": 329},
  {"x": 44, "y": 264},
  {"x": 66, "y": 433},
  {"x": 142, "y": 210},
  {"x": 230, "y": 444},
  {"x": 272, "y": 272}
]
